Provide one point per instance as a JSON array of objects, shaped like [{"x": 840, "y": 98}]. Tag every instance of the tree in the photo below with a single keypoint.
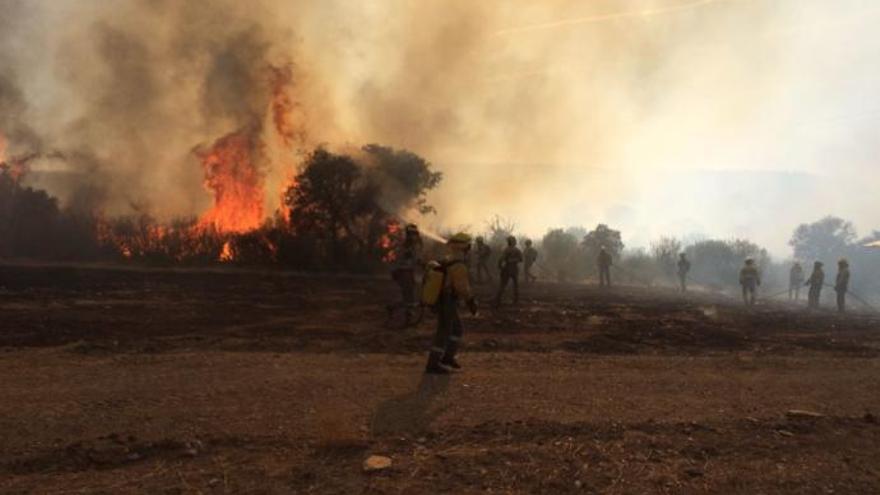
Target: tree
[
  {"x": 744, "y": 249},
  {"x": 665, "y": 252},
  {"x": 640, "y": 267},
  {"x": 498, "y": 230},
  {"x": 714, "y": 263},
  {"x": 404, "y": 176},
  {"x": 717, "y": 263},
  {"x": 348, "y": 204},
  {"x": 29, "y": 221},
  {"x": 823, "y": 240},
  {"x": 560, "y": 254},
  {"x": 328, "y": 197},
  {"x": 602, "y": 236}
]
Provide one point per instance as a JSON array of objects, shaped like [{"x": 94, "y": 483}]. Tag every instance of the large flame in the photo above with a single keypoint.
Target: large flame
[
  {"x": 232, "y": 174},
  {"x": 234, "y": 168}
]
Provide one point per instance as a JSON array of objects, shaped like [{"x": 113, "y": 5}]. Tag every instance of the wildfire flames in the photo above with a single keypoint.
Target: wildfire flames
[
  {"x": 233, "y": 168},
  {"x": 227, "y": 254},
  {"x": 389, "y": 240},
  {"x": 236, "y": 226},
  {"x": 231, "y": 173}
]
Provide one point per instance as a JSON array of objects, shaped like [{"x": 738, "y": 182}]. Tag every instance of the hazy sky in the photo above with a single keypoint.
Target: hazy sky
[{"x": 717, "y": 118}]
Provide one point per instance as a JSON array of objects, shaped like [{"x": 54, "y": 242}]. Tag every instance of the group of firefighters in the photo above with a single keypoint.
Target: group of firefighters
[
  {"x": 750, "y": 280},
  {"x": 816, "y": 281},
  {"x": 456, "y": 283}
]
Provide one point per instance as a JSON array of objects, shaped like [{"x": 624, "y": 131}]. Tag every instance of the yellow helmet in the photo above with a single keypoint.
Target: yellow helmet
[{"x": 460, "y": 238}]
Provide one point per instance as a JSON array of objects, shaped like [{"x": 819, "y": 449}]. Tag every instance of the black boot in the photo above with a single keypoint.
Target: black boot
[
  {"x": 433, "y": 367},
  {"x": 450, "y": 362}
]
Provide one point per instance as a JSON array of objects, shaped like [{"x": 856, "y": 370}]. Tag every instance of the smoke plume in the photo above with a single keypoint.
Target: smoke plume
[{"x": 681, "y": 117}]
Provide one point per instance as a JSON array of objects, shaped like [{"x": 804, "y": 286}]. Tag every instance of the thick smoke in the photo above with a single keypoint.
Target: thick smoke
[
  {"x": 716, "y": 118},
  {"x": 126, "y": 93},
  {"x": 17, "y": 136}
]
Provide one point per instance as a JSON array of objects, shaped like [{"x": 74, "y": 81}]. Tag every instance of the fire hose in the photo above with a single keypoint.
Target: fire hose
[
  {"x": 849, "y": 292},
  {"x": 857, "y": 298}
]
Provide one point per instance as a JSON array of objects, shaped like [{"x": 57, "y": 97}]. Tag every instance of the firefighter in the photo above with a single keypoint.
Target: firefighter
[
  {"x": 484, "y": 252},
  {"x": 841, "y": 285},
  {"x": 795, "y": 282},
  {"x": 531, "y": 256},
  {"x": 455, "y": 288},
  {"x": 816, "y": 281},
  {"x": 750, "y": 280},
  {"x": 407, "y": 258},
  {"x": 508, "y": 266},
  {"x": 684, "y": 267},
  {"x": 604, "y": 261}
]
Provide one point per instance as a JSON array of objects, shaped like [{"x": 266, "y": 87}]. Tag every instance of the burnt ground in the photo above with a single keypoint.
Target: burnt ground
[{"x": 232, "y": 381}]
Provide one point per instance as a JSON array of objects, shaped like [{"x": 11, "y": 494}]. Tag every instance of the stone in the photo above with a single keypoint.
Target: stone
[
  {"x": 803, "y": 414},
  {"x": 376, "y": 463}
]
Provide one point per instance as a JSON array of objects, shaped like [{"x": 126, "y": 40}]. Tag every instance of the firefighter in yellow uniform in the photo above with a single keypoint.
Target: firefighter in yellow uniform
[
  {"x": 456, "y": 287},
  {"x": 750, "y": 280},
  {"x": 508, "y": 265}
]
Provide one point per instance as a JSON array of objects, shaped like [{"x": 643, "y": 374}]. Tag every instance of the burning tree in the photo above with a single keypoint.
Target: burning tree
[{"x": 347, "y": 207}]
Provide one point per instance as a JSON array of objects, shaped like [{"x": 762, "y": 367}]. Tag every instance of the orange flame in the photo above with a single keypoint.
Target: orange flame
[
  {"x": 227, "y": 254},
  {"x": 231, "y": 172},
  {"x": 233, "y": 168},
  {"x": 141, "y": 240},
  {"x": 388, "y": 241}
]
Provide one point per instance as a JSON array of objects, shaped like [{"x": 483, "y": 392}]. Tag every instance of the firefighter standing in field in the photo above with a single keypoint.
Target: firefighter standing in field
[
  {"x": 816, "y": 281},
  {"x": 531, "y": 256},
  {"x": 408, "y": 257},
  {"x": 456, "y": 287},
  {"x": 508, "y": 265},
  {"x": 841, "y": 285},
  {"x": 684, "y": 267},
  {"x": 604, "y": 262},
  {"x": 484, "y": 252},
  {"x": 750, "y": 280},
  {"x": 795, "y": 282}
]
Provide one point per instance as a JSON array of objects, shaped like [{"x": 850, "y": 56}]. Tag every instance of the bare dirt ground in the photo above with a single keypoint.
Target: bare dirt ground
[{"x": 198, "y": 381}]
